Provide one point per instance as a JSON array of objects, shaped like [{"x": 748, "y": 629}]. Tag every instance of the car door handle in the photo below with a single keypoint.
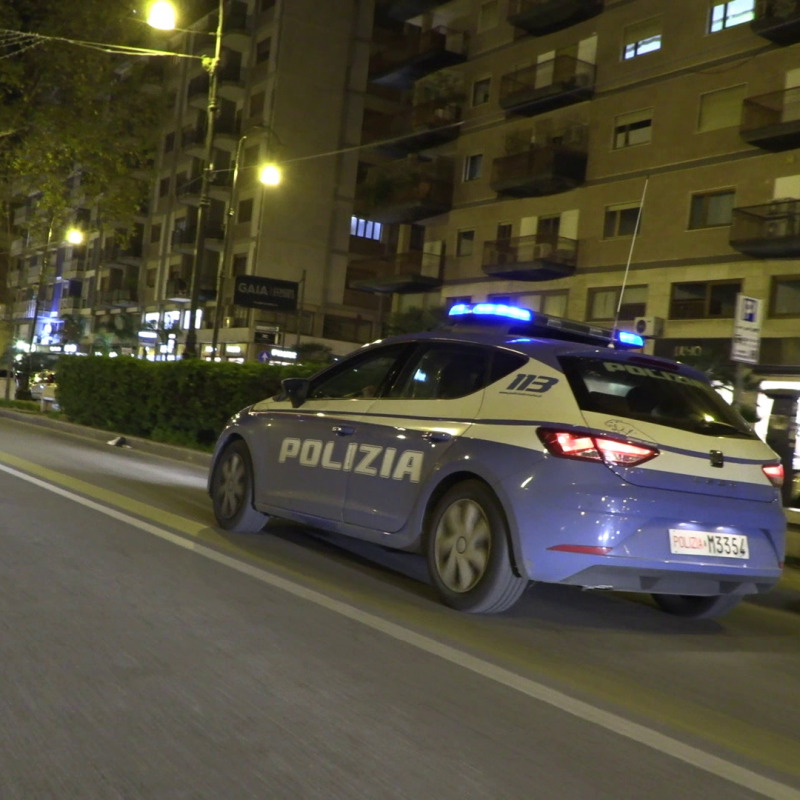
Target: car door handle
[
  {"x": 436, "y": 436},
  {"x": 343, "y": 430}
]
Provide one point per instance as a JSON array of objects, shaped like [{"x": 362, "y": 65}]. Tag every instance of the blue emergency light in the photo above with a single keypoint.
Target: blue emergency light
[{"x": 533, "y": 323}]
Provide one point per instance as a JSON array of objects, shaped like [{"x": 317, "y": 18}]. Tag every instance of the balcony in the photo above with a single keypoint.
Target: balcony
[
  {"x": 539, "y": 17},
  {"x": 777, "y": 20},
  {"x": 129, "y": 254},
  {"x": 406, "y": 191},
  {"x": 70, "y": 305},
  {"x": 401, "y": 273},
  {"x": 767, "y": 231},
  {"x": 540, "y": 170},
  {"x": 405, "y": 9},
  {"x": 117, "y": 298},
  {"x": 772, "y": 121},
  {"x": 184, "y": 239},
  {"x": 178, "y": 290},
  {"x": 409, "y": 56},
  {"x": 231, "y": 82},
  {"x": 561, "y": 81},
  {"x": 197, "y": 91},
  {"x": 530, "y": 258},
  {"x": 417, "y": 128},
  {"x": 236, "y": 26},
  {"x": 25, "y": 309}
]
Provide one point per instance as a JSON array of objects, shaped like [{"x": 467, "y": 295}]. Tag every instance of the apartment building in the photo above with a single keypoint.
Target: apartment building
[
  {"x": 578, "y": 120},
  {"x": 617, "y": 161}
]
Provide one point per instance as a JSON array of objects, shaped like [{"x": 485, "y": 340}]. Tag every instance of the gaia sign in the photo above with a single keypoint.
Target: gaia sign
[{"x": 252, "y": 292}]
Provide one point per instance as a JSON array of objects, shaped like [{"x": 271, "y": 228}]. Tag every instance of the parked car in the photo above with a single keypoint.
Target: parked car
[
  {"x": 514, "y": 447},
  {"x": 40, "y": 381}
]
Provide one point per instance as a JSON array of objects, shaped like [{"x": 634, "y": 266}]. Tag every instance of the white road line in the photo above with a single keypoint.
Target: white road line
[{"x": 577, "y": 708}]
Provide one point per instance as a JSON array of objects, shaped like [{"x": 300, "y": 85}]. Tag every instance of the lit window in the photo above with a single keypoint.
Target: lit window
[
  {"x": 726, "y": 15},
  {"x": 473, "y": 165},
  {"x": 365, "y": 228},
  {"x": 620, "y": 220},
  {"x": 711, "y": 209},
  {"x": 632, "y": 129},
  {"x": 641, "y": 38}
]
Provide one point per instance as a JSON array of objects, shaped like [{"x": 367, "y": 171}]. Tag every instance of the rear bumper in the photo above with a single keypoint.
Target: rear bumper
[{"x": 632, "y": 524}]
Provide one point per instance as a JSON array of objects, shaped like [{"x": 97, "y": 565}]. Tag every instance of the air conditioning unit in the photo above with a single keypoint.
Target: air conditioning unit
[
  {"x": 542, "y": 250},
  {"x": 648, "y": 326},
  {"x": 777, "y": 228}
]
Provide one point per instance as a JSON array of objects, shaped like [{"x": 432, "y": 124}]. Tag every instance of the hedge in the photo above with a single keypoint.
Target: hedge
[{"x": 179, "y": 402}]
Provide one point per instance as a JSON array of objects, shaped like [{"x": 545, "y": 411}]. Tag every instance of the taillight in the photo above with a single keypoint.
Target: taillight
[
  {"x": 775, "y": 473},
  {"x": 585, "y": 447}
]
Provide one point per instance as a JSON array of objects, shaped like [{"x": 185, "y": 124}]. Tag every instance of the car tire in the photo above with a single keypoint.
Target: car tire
[
  {"x": 694, "y": 607},
  {"x": 469, "y": 558},
  {"x": 232, "y": 491}
]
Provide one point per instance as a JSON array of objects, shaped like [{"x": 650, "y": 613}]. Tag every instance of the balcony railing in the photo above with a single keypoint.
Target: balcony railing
[
  {"x": 417, "y": 128},
  {"x": 767, "y": 231},
  {"x": 537, "y": 257},
  {"x": 777, "y": 20},
  {"x": 69, "y": 305},
  {"x": 539, "y": 170},
  {"x": 559, "y": 81},
  {"x": 540, "y": 17},
  {"x": 401, "y": 273},
  {"x": 406, "y": 191},
  {"x": 772, "y": 121},
  {"x": 411, "y": 55}
]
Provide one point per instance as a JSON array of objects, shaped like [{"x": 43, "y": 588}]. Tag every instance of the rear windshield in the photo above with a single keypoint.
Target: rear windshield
[{"x": 651, "y": 394}]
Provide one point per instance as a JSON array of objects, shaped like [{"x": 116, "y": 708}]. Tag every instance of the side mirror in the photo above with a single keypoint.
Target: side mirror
[{"x": 296, "y": 390}]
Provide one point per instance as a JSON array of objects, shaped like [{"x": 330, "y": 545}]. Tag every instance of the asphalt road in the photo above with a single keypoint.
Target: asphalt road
[{"x": 144, "y": 654}]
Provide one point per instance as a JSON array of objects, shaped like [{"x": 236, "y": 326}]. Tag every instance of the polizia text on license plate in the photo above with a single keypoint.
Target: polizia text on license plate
[{"x": 705, "y": 543}]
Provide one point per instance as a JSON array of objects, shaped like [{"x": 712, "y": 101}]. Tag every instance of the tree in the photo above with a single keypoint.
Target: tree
[{"x": 73, "y": 116}]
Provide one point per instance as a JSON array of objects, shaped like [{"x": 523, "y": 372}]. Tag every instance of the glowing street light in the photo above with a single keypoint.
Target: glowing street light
[
  {"x": 161, "y": 16},
  {"x": 270, "y": 175}
]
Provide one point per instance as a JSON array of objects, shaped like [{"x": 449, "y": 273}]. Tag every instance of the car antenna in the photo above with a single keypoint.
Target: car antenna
[{"x": 630, "y": 256}]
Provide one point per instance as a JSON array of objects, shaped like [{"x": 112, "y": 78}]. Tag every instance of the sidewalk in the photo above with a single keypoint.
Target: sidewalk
[{"x": 786, "y": 595}]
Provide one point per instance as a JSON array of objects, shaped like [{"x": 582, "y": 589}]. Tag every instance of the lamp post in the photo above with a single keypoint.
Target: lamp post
[
  {"x": 162, "y": 16},
  {"x": 268, "y": 175},
  {"x": 74, "y": 236}
]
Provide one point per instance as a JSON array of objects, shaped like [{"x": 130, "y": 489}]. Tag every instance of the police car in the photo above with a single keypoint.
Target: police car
[{"x": 513, "y": 447}]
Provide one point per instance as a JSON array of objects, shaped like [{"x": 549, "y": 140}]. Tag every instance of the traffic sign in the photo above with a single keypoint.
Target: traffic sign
[{"x": 746, "y": 340}]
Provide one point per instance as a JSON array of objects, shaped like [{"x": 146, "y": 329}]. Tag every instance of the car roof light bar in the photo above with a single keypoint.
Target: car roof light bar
[{"x": 526, "y": 322}]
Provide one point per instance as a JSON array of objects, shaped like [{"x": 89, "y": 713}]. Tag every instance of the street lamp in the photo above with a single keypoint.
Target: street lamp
[
  {"x": 268, "y": 175},
  {"x": 75, "y": 237},
  {"x": 162, "y": 16}
]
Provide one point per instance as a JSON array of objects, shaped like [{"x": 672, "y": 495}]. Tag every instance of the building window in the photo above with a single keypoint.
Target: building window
[
  {"x": 473, "y": 165},
  {"x": 711, "y": 209},
  {"x": 245, "y": 211},
  {"x": 603, "y": 303},
  {"x": 721, "y": 109},
  {"x": 704, "y": 300},
  {"x": 465, "y": 243},
  {"x": 726, "y": 15},
  {"x": 257, "y": 104},
  {"x": 150, "y": 278},
  {"x": 169, "y": 142},
  {"x": 365, "y": 228},
  {"x": 163, "y": 187},
  {"x": 263, "y": 49},
  {"x": 621, "y": 220},
  {"x": 348, "y": 329},
  {"x": 641, "y": 38},
  {"x": 480, "y": 91},
  {"x": 449, "y": 302},
  {"x": 155, "y": 233},
  {"x": 632, "y": 129},
  {"x": 488, "y": 16},
  {"x": 785, "y": 297}
]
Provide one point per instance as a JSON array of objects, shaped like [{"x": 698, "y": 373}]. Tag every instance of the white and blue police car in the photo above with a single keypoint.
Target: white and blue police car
[{"x": 513, "y": 447}]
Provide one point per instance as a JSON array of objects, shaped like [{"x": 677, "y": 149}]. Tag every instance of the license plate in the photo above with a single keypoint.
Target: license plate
[{"x": 704, "y": 543}]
